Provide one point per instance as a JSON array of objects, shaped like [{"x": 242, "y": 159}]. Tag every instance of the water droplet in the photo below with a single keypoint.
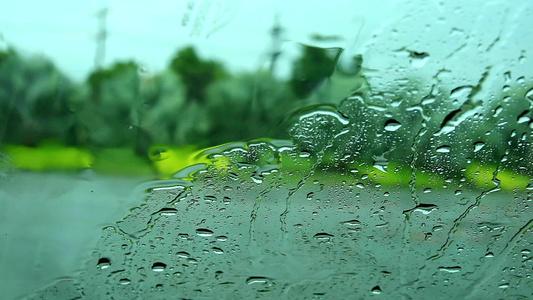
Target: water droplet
[
  {"x": 497, "y": 111},
  {"x": 529, "y": 95},
  {"x": 124, "y": 281},
  {"x": 323, "y": 236},
  {"x": 103, "y": 263},
  {"x": 168, "y": 212},
  {"x": 319, "y": 113},
  {"x": 503, "y": 286},
  {"x": 255, "y": 280},
  {"x": 386, "y": 224},
  {"x": 423, "y": 208},
  {"x": 159, "y": 267},
  {"x": 525, "y": 251},
  {"x": 478, "y": 146},
  {"x": 351, "y": 223},
  {"x": 204, "y": 232},
  {"x": 418, "y": 59},
  {"x": 376, "y": 290},
  {"x": 192, "y": 261},
  {"x": 507, "y": 76},
  {"x": 455, "y": 269},
  {"x": 222, "y": 238},
  {"x": 304, "y": 154},
  {"x": 183, "y": 254},
  {"x": 436, "y": 228},
  {"x": 310, "y": 196},
  {"x": 523, "y": 118},
  {"x": 209, "y": 199},
  {"x": 427, "y": 101},
  {"x": 217, "y": 250},
  {"x": 381, "y": 163},
  {"x": 392, "y": 125},
  {"x": 461, "y": 91},
  {"x": 257, "y": 179},
  {"x": 443, "y": 149},
  {"x": 218, "y": 274}
]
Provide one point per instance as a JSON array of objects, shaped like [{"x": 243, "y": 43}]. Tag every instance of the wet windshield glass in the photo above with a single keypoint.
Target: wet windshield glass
[{"x": 257, "y": 150}]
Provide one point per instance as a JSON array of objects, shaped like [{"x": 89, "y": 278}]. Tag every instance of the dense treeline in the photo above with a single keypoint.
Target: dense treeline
[
  {"x": 194, "y": 101},
  {"x": 199, "y": 102}
]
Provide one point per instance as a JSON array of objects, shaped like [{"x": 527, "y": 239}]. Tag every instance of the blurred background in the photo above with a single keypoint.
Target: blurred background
[
  {"x": 118, "y": 86},
  {"x": 99, "y": 100},
  {"x": 143, "y": 79}
]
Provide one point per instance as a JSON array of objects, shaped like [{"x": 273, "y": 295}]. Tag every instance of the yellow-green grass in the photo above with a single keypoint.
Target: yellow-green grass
[
  {"x": 56, "y": 157},
  {"x": 49, "y": 157},
  {"x": 163, "y": 160},
  {"x": 482, "y": 176},
  {"x": 477, "y": 175},
  {"x": 401, "y": 175},
  {"x": 166, "y": 160},
  {"x": 122, "y": 162}
]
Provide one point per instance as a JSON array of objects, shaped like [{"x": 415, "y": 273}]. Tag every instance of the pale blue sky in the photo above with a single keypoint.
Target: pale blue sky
[
  {"x": 235, "y": 31},
  {"x": 457, "y": 34}
]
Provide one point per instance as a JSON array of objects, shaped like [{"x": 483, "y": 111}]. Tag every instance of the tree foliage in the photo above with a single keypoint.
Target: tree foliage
[
  {"x": 196, "y": 74},
  {"x": 33, "y": 99},
  {"x": 312, "y": 68},
  {"x": 197, "y": 102}
]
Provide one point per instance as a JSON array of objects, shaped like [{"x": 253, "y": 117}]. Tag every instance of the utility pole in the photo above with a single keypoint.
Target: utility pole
[
  {"x": 276, "y": 33},
  {"x": 101, "y": 37}
]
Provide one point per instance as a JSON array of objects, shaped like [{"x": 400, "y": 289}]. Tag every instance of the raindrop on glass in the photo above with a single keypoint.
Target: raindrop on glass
[
  {"x": 443, "y": 149},
  {"x": 183, "y": 254},
  {"x": 376, "y": 290},
  {"x": 392, "y": 125},
  {"x": 255, "y": 280},
  {"x": 323, "y": 236},
  {"x": 217, "y": 250},
  {"x": 103, "y": 263},
  {"x": 204, "y": 232},
  {"x": 478, "y": 146},
  {"x": 159, "y": 267}
]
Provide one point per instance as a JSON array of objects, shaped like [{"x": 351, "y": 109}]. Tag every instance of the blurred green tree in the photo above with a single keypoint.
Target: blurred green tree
[
  {"x": 170, "y": 118},
  {"x": 114, "y": 111},
  {"x": 195, "y": 73},
  {"x": 314, "y": 66},
  {"x": 33, "y": 99},
  {"x": 247, "y": 106}
]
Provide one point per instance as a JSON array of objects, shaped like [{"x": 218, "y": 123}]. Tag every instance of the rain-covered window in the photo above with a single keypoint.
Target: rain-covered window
[{"x": 266, "y": 150}]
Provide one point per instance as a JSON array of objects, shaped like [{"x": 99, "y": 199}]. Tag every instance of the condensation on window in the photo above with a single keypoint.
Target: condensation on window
[{"x": 414, "y": 179}]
